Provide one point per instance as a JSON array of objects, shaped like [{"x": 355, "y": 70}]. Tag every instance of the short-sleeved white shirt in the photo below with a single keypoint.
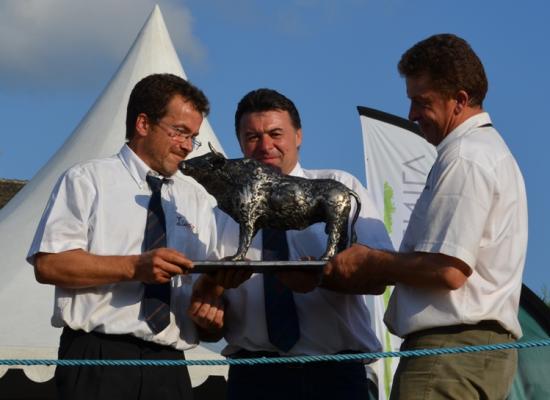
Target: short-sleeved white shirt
[
  {"x": 474, "y": 208},
  {"x": 330, "y": 322},
  {"x": 100, "y": 206}
]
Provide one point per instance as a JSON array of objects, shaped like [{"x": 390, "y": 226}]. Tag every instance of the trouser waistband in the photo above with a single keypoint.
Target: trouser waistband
[
  {"x": 69, "y": 333},
  {"x": 485, "y": 325}
]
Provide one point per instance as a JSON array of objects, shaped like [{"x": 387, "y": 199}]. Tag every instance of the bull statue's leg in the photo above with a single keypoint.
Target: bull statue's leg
[
  {"x": 338, "y": 208},
  {"x": 246, "y": 233},
  {"x": 337, "y": 237},
  {"x": 332, "y": 240},
  {"x": 342, "y": 243}
]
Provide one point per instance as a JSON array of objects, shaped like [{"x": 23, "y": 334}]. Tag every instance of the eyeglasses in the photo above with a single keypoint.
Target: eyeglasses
[{"x": 180, "y": 135}]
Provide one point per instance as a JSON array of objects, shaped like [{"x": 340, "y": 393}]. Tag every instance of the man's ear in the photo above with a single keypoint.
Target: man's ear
[
  {"x": 299, "y": 137},
  {"x": 142, "y": 125},
  {"x": 462, "y": 101}
]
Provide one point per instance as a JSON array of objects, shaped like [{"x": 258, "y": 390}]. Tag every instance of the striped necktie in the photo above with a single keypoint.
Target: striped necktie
[
  {"x": 282, "y": 322},
  {"x": 155, "y": 305}
]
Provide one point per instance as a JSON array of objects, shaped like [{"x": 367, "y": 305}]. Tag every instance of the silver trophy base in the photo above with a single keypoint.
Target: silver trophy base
[{"x": 258, "y": 266}]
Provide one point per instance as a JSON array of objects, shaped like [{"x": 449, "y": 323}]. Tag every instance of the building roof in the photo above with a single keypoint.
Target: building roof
[{"x": 8, "y": 189}]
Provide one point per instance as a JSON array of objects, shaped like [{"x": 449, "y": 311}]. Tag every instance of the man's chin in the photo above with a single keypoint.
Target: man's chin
[
  {"x": 174, "y": 162},
  {"x": 169, "y": 170},
  {"x": 426, "y": 135},
  {"x": 274, "y": 162}
]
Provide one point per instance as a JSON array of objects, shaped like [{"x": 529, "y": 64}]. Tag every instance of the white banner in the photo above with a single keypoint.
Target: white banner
[{"x": 397, "y": 162}]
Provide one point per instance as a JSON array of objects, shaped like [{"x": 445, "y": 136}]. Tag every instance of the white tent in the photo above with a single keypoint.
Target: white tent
[{"x": 25, "y": 330}]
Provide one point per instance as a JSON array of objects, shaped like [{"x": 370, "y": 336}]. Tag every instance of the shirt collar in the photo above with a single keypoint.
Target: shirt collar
[
  {"x": 297, "y": 171},
  {"x": 135, "y": 166},
  {"x": 458, "y": 132}
]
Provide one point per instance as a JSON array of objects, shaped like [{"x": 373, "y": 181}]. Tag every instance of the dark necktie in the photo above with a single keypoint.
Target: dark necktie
[
  {"x": 155, "y": 304},
  {"x": 283, "y": 327}
]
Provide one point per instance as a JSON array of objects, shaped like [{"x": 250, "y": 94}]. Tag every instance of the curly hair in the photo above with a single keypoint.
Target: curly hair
[
  {"x": 266, "y": 100},
  {"x": 152, "y": 94},
  {"x": 450, "y": 63}
]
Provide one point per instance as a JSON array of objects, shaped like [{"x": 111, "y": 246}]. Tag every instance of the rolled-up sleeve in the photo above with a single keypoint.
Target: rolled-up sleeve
[{"x": 65, "y": 223}]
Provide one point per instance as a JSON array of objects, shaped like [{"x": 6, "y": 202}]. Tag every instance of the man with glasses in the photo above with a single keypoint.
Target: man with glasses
[
  {"x": 268, "y": 129},
  {"x": 108, "y": 241}
]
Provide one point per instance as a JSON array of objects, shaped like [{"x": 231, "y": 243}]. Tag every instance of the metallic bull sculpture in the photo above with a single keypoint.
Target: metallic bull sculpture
[{"x": 258, "y": 196}]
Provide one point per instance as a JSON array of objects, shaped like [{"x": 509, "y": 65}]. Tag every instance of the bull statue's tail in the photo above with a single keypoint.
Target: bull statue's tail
[{"x": 353, "y": 235}]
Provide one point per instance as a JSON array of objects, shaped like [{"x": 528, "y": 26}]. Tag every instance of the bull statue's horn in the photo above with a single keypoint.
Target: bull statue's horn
[{"x": 213, "y": 150}]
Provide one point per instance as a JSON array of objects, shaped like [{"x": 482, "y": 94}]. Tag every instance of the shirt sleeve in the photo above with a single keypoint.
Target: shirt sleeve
[
  {"x": 455, "y": 218},
  {"x": 66, "y": 220}
]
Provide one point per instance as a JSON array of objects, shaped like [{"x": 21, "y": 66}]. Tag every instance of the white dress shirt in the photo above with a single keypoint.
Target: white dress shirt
[
  {"x": 100, "y": 206},
  {"x": 330, "y": 322},
  {"x": 474, "y": 208}
]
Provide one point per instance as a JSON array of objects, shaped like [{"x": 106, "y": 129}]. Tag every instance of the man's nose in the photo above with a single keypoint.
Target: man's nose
[
  {"x": 186, "y": 145},
  {"x": 266, "y": 142}
]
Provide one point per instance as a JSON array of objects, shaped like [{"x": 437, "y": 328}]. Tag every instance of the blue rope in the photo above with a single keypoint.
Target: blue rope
[{"x": 282, "y": 360}]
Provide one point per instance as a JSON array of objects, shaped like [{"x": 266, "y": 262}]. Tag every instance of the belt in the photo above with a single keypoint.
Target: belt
[
  {"x": 485, "y": 325},
  {"x": 71, "y": 334}
]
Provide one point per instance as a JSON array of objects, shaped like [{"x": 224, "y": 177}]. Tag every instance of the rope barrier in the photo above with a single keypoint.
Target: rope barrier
[{"x": 281, "y": 360}]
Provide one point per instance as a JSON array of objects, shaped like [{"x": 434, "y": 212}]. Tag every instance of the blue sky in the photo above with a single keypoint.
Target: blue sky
[{"x": 56, "y": 56}]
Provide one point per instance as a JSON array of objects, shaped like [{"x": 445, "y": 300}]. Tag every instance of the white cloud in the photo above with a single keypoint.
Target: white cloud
[{"x": 69, "y": 43}]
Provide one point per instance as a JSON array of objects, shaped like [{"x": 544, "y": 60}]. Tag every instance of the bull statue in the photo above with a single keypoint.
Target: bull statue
[{"x": 258, "y": 196}]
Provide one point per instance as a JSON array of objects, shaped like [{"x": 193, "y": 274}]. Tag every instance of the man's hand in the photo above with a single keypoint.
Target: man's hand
[
  {"x": 160, "y": 265},
  {"x": 77, "y": 268},
  {"x": 230, "y": 278},
  {"x": 300, "y": 281},
  {"x": 350, "y": 272},
  {"x": 361, "y": 269},
  {"x": 206, "y": 308}
]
